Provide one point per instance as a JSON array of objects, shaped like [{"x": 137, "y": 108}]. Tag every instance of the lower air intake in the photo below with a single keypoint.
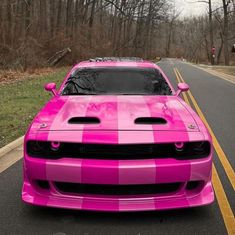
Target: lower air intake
[{"x": 120, "y": 190}]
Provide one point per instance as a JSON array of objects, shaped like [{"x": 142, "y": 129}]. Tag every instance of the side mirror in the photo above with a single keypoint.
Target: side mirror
[
  {"x": 51, "y": 87},
  {"x": 182, "y": 87}
]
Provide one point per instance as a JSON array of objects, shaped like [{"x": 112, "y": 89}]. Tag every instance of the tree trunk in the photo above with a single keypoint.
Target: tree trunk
[
  {"x": 220, "y": 48},
  {"x": 225, "y": 36},
  {"x": 211, "y": 33}
]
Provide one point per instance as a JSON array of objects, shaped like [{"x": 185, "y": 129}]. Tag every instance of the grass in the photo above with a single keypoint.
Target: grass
[
  {"x": 20, "y": 101},
  {"x": 230, "y": 70}
]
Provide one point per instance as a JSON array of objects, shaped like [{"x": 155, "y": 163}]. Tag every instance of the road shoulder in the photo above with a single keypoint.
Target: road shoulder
[
  {"x": 211, "y": 70},
  {"x": 11, "y": 153}
]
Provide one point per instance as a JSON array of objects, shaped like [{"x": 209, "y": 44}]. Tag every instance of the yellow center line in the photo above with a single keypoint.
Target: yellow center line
[
  {"x": 223, "y": 158},
  {"x": 224, "y": 205}
]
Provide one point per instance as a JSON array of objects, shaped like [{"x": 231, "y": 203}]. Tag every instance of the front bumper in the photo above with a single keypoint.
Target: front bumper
[
  {"x": 181, "y": 200},
  {"x": 118, "y": 172}
]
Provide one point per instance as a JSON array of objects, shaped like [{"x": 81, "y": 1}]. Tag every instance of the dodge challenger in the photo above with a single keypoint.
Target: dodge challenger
[{"x": 116, "y": 136}]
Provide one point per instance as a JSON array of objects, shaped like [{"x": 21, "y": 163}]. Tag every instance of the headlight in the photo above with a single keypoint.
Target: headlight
[
  {"x": 193, "y": 150},
  {"x": 55, "y": 146},
  {"x": 43, "y": 149}
]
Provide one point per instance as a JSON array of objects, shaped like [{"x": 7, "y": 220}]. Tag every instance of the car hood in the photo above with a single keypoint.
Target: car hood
[{"x": 115, "y": 113}]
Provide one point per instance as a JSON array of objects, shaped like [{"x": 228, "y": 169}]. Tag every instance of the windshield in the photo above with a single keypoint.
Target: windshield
[{"x": 116, "y": 81}]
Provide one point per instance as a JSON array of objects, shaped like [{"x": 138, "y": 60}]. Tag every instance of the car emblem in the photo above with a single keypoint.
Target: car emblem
[
  {"x": 43, "y": 125},
  {"x": 191, "y": 126}
]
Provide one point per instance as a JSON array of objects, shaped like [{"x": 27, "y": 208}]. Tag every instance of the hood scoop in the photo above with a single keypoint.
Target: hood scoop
[
  {"x": 113, "y": 114},
  {"x": 150, "y": 121},
  {"x": 84, "y": 120}
]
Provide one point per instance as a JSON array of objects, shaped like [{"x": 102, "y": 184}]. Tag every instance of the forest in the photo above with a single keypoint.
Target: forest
[{"x": 38, "y": 33}]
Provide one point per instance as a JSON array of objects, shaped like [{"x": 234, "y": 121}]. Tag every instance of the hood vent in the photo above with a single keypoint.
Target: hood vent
[
  {"x": 150, "y": 121},
  {"x": 84, "y": 120}
]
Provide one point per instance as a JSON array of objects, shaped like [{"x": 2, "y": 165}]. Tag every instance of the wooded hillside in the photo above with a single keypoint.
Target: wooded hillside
[{"x": 33, "y": 31}]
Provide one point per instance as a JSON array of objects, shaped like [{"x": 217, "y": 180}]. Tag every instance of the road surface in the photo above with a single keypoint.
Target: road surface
[{"x": 215, "y": 98}]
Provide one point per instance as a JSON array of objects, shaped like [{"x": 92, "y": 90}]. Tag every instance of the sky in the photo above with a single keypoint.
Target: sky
[{"x": 192, "y": 7}]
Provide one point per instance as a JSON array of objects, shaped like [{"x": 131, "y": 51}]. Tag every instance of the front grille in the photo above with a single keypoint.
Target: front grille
[
  {"x": 120, "y": 190},
  {"x": 48, "y": 150}
]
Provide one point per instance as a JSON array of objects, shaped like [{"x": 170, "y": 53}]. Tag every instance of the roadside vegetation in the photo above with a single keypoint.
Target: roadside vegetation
[
  {"x": 21, "y": 100},
  {"x": 37, "y": 33},
  {"x": 225, "y": 69}
]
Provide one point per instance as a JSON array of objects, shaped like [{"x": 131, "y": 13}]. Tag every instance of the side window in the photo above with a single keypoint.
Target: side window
[{"x": 165, "y": 89}]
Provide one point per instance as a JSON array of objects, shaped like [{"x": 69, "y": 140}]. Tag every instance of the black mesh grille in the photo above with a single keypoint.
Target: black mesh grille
[
  {"x": 101, "y": 189},
  {"x": 191, "y": 150}
]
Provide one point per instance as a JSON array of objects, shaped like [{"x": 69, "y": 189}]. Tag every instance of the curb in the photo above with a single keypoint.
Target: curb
[{"x": 9, "y": 147}]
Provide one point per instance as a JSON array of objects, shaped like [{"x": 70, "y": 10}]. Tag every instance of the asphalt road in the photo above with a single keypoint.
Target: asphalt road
[{"x": 216, "y": 98}]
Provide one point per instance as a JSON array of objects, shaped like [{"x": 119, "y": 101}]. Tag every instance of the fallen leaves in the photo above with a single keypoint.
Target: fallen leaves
[{"x": 11, "y": 76}]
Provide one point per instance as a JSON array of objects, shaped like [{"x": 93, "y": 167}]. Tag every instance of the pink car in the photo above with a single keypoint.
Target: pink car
[{"x": 117, "y": 137}]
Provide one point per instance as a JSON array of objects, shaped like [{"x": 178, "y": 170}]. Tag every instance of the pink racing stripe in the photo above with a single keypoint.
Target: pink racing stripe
[
  {"x": 137, "y": 171},
  {"x": 53, "y": 108},
  {"x": 137, "y": 204},
  {"x": 134, "y": 171},
  {"x": 201, "y": 171},
  {"x": 130, "y": 108},
  {"x": 188, "y": 168},
  {"x": 69, "y": 203},
  {"x": 72, "y": 172},
  {"x": 181, "y": 202},
  {"x": 169, "y": 104},
  {"x": 39, "y": 168},
  {"x": 56, "y": 111},
  {"x": 161, "y": 172},
  {"x": 190, "y": 133},
  {"x": 60, "y": 122},
  {"x": 64, "y": 170},
  {"x": 47, "y": 114},
  {"x": 101, "y": 171},
  {"x": 171, "y": 170},
  {"x": 100, "y": 205},
  {"x": 105, "y": 108}
]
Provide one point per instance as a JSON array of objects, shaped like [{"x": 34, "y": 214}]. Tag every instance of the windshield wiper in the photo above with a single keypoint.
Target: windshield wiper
[
  {"x": 76, "y": 86},
  {"x": 74, "y": 83}
]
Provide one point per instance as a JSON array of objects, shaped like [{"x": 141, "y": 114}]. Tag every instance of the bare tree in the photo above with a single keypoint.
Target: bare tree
[
  {"x": 225, "y": 31},
  {"x": 31, "y": 31},
  {"x": 169, "y": 29}
]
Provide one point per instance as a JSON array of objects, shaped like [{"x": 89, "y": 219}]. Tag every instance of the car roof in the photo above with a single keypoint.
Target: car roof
[{"x": 116, "y": 63}]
